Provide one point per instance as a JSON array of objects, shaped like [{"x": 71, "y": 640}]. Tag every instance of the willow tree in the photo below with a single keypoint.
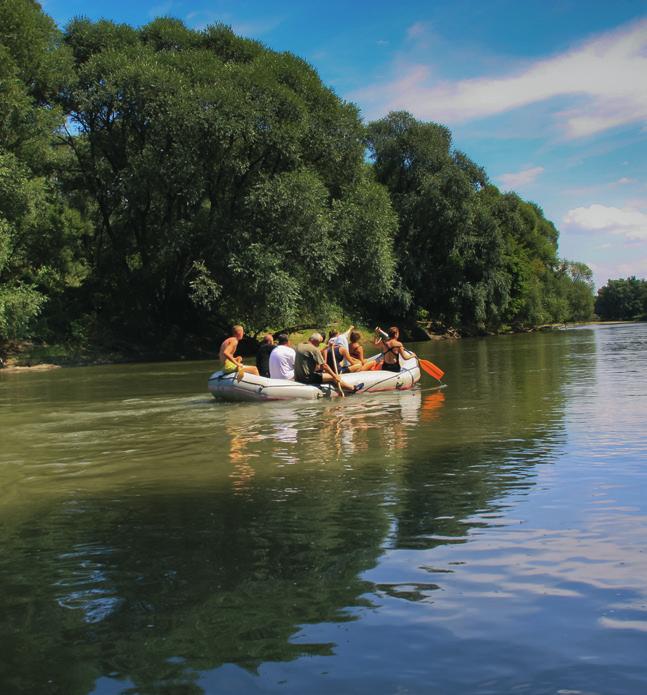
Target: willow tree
[
  {"x": 39, "y": 232},
  {"x": 222, "y": 177}
]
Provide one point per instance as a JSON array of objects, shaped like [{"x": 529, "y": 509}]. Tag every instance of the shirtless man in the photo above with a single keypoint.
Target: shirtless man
[{"x": 231, "y": 363}]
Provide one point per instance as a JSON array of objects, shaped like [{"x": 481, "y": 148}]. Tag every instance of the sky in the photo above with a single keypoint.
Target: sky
[{"x": 549, "y": 96}]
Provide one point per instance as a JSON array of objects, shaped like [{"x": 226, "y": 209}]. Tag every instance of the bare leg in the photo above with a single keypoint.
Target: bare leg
[{"x": 328, "y": 379}]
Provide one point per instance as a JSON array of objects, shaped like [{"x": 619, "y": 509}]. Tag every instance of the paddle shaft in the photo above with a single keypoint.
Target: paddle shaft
[{"x": 334, "y": 361}]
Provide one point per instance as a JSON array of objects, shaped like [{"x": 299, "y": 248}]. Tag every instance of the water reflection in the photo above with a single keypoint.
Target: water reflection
[
  {"x": 295, "y": 433},
  {"x": 385, "y": 539}
]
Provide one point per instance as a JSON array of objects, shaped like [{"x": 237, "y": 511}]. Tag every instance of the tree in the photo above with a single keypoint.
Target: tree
[
  {"x": 38, "y": 231},
  {"x": 622, "y": 299},
  {"x": 209, "y": 161}
]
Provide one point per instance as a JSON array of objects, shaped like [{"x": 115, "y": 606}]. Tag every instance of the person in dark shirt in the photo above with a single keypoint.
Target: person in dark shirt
[
  {"x": 311, "y": 368},
  {"x": 263, "y": 355}
]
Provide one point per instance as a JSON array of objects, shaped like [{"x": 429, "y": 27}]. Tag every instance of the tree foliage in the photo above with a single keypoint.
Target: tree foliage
[
  {"x": 161, "y": 180},
  {"x": 622, "y": 299},
  {"x": 468, "y": 255}
]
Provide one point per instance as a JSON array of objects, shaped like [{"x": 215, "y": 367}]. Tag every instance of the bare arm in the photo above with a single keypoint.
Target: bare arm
[
  {"x": 347, "y": 356},
  {"x": 229, "y": 350},
  {"x": 405, "y": 353}
]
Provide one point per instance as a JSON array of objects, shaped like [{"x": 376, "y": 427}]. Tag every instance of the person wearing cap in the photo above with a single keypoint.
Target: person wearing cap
[{"x": 310, "y": 367}]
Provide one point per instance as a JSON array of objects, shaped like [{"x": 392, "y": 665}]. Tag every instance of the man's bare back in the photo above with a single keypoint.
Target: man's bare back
[
  {"x": 231, "y": 363},
  {"x": 230, "y": 345}
]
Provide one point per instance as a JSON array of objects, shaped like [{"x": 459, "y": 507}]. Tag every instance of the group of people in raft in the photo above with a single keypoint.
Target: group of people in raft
[{"x": 309, "y": 362}]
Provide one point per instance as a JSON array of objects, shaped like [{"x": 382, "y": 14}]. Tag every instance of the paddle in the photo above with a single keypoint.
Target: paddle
[
  {"x": 431, "y": 369},
  {"x": 334, "y": 361}
]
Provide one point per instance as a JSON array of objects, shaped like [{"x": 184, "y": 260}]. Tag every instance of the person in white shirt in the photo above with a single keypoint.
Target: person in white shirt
[{"x": 282, "y": 359}]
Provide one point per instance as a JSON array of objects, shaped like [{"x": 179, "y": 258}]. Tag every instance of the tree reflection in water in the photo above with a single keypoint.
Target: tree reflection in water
[{"x": 152, "y": 587}]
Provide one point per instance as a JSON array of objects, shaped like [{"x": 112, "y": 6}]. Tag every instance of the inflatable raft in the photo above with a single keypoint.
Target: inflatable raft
[{"x": 257, "y": 388}]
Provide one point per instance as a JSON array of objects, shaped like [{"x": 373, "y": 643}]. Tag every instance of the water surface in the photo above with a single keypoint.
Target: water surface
[{"x": 486, "y": 539}]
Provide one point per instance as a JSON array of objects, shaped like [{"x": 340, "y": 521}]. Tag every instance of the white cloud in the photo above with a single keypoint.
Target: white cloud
[
  {"x": 520, "y": 178},
  {"x": 607, "y": 74},
  {"x": 625, "y": 181},
  {"x": 603, "y": 272},
  {"x": 627, "y": 222},
  {"x": 416, "y": 30}
]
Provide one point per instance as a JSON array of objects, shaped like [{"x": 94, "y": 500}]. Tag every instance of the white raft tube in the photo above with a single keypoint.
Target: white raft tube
[{"x": 227, "y": 387}]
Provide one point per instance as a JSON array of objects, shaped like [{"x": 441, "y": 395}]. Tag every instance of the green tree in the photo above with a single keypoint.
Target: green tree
[
  {"x": 213, "y": 166},
  {"x": 449, "y": 245},
  {"x": 39, "y": 233},
  {"x": 622, "y": 299}
]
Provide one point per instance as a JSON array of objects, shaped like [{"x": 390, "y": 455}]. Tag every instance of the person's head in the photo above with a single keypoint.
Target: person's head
[
  {"x": 333, "y": 333},
  {"x": 355, "y": 336},
  {"x": 268, "y": 339},
  {"x": 394, "y": 332},
  {"x": 237, "y": 332},
  {"x": 316, "y": 339},
  {"x": 282, "y": 339}
]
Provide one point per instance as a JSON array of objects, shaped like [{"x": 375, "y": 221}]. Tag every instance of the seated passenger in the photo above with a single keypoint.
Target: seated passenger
[
  {"x": 263, "y": 355},
  {"x": 231, "y": 363},
  {"x": 310, "y": 367},
  {"x": 282, "y": 359},
  {"x": 338, "y": 338},
  {"x": 340, "y": 360},
  {"x": 357, "y": 353},
  {"x": 392, "y": 349}
]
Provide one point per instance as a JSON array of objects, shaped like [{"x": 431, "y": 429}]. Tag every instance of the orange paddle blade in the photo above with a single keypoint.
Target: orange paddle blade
[{"x": 431, "y": 369}]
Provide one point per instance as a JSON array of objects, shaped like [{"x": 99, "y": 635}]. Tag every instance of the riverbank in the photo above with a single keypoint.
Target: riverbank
[{"x": 29, "y": 356}]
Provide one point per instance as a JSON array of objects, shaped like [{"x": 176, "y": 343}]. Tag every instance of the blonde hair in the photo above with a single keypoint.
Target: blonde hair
[{"x": 237, "y": 328}]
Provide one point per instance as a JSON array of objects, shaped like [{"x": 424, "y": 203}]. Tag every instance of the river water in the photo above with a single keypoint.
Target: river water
[{"x": 490, "y": 538}]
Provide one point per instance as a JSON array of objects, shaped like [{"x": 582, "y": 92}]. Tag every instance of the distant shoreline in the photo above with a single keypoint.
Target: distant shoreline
[{"x": 30, "y": 358}]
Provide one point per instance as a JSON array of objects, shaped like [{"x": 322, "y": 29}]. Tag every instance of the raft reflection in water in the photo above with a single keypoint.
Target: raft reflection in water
[{"x": 327, "y": 432}]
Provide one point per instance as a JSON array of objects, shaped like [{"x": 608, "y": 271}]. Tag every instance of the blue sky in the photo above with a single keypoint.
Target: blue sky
[{"x": 550, "y": 97}]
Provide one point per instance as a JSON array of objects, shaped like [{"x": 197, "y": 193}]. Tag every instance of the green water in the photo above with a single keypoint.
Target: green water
[{"x": 487, "y": 539}]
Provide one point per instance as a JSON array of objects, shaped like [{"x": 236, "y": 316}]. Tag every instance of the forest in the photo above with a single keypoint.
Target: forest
[
  {"x": 624, "y": 299},
  {"x": 160, "y": 183}
]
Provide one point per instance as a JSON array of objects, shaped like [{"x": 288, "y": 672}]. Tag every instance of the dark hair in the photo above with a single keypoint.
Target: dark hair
[
  {"x": 282, "y": 339},
  {"x": 355, "y": 336},
  {"x": 333, "y": 333},
  {"x": 393, "y": 331}
]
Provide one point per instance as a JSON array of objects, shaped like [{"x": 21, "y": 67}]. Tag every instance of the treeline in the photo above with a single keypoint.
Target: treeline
[
  {"x": 622, "y": 300},
  {"x": 160, "y": 182}
]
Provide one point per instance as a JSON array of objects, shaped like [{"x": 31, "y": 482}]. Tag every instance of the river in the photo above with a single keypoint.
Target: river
[{"x": 489, "y": 538}]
